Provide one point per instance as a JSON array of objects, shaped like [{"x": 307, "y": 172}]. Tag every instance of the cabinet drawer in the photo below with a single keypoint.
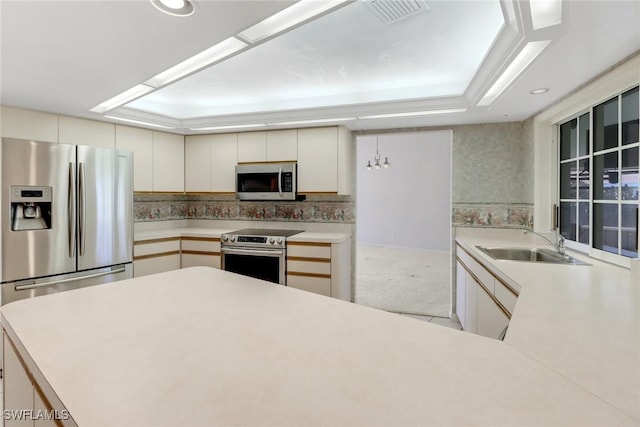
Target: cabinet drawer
[
  {"x": 201, "y": 244},
  {"x": 157, "y": 264},
  {"x": 506, "y": 296},
  {"x": 317, "y": 285},
  {"x": 476, "y": 268},
  {"x": 196, "y": 260},
  {"x": 309, "y": 250},
  {"x": 317, "y": 267},
  {"x": 146, "y": 248}
]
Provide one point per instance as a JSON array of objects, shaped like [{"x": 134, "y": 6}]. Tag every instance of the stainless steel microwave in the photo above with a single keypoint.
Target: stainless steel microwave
[{"x": 266, "y": 181}]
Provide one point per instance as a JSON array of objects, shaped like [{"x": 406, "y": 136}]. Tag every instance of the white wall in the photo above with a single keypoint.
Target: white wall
[{"x": 409, "y": 204}]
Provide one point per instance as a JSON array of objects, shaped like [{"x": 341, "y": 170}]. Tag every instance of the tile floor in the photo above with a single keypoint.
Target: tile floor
[{"x": 403, "y": 280}]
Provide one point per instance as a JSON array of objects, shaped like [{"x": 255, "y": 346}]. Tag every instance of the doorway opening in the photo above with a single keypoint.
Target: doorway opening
[{"x": 403, "y": 223}]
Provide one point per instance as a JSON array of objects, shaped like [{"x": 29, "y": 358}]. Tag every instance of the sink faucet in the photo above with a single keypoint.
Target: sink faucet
[{"x": 559, "y": 240}]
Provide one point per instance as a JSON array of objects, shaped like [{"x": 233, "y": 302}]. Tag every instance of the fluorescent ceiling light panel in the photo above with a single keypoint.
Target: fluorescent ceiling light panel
[
  {"x": 253, "y": 125},
  {"x": 305, "y": 122},
  {"x": 522, "y": 61},
  {"x": 123, "y": 98},
  {"x": 287, "y": 18},
  {"x": 414, "y": 113},
  {"x": 139, "y": 122},
  {"x": 545, "y": 13},
  {"x": 207, "y": 57}
]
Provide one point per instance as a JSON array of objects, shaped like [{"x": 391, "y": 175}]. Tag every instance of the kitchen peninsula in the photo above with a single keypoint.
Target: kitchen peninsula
[{"x": 201, "y": 346}]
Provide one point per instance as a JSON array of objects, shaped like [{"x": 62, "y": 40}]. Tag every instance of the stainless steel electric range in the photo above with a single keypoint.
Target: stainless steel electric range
[{"x": 256, "y": 252}]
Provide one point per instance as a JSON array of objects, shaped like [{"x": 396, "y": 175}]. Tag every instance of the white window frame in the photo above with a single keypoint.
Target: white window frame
[{"x": 545, "y": 140}]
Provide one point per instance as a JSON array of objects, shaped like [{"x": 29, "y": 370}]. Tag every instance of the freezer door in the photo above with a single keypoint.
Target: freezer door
[
  {"x": 37, "y": 238},
  {"x": 105, "y": 207}
]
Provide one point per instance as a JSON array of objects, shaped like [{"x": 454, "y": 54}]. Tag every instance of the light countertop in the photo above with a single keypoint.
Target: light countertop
[
  {"x": 305, "y": 236},
  {"x": 201, "y": 346},
  {"x": 581, "y": 321}
]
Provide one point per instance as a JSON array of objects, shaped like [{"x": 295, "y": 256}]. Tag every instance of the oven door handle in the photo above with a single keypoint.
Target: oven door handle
[{"x": 265, "y": 252}]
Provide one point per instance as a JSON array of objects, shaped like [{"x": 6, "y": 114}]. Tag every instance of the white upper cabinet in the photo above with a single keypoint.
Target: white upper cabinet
[
  {"x": 224, "y": 157},
  {"x": 252, "y": 147},
  {"x": 282, "y": 145},
  {"x": 27, "y": 124},
  {"x": 140, "y": 141},
  {"x": 168, "y": 162},
  {"x": 86, "y": 132},
  {"x": 324, "y": 160},
  {"x": 197, "y": 161}
]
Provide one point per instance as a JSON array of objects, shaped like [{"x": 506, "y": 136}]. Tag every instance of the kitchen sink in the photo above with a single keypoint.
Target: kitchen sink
[{"x": 530, "y": 255}]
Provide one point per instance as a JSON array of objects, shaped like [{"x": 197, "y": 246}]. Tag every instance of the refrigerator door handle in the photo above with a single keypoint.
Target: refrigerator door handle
[
  {"x": 72, "y": 279},
  {"x": 71, "y": 207},
  {"x": 82, "y": 208}
]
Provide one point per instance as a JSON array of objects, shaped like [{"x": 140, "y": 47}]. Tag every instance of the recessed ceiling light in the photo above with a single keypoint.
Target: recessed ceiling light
[
  {"x": 539, "y": 91},
  {"x": 174, "y": 7}
]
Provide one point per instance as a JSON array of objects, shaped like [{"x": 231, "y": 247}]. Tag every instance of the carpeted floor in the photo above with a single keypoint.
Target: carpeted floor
[{"x": 403, "y": 280}]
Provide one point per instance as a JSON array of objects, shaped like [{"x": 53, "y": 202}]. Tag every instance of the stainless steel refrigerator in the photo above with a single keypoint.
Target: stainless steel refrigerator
[{"x": 67, "y": 217}]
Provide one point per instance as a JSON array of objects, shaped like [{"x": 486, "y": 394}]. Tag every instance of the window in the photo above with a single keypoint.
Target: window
[{"x": 598, "y": 177}]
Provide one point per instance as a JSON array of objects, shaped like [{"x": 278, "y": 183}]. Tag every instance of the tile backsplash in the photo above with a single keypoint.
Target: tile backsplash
[
  {"x": 502, "y": 215},
  {"x": 165, "y": 207}
]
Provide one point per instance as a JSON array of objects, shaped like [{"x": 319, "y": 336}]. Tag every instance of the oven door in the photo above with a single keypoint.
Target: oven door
[{"x": 265, "y": 264}]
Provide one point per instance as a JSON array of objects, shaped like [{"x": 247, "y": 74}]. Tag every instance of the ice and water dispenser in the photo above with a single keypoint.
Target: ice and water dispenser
[{"x": 31, "y": 208}]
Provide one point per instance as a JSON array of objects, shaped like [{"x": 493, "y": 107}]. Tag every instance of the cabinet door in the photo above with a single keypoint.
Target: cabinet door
[
  {"x": 224, "y": 157},
  {"x": 461, "y": 295},
  {"x": 491, "y": 319},
  {"x": 197, "y": 163},
  {"x": 168, "y": 162},
  {"x": 318, "y": 160},
  {"x": 26, "y": 124},
  {"x": 252, "y": 147},
  {"x": 140, "y": 141},
  {"x": 86, "y": 132},
  {"x": 282, "y": 145},
  {"x": 17, "y": 386},
  {"x": 470, "y": 303}
]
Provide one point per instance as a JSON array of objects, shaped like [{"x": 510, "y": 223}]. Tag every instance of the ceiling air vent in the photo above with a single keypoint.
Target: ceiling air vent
[{"x": 392, "y": 11}]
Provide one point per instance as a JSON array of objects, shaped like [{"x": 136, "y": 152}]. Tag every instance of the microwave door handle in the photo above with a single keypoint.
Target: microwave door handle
[{"x": 280, "y": 182}]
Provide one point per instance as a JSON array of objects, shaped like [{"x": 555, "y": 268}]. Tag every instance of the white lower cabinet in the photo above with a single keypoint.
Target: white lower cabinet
[
  {"x": 156, "y": 256},
  {"x": 24, "y": 401},
  {"x": 321, "y": 268},
  {"x": 484, "y": 302},
  {"x": 200, "y": 251}
]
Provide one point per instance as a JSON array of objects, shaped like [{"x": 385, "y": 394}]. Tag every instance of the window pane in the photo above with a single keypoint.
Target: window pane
[
  {"x": 568, "y": 183},
  {"x": 605, "y": 227},
  {"x": 583, "y": 135},
  {"x": 568, "y": 140},
  {"x": 567, "y": 220},
  {"x": 629, "y": 180},
  {"x": 605, "y": 125},
  {"x": 605, "y": 176},
  {"x": 583, "y": 222},
  {"x": 630, "y": 116},
  {"x": 630, "y": 230},
  {"x": 583, "y": 179}
]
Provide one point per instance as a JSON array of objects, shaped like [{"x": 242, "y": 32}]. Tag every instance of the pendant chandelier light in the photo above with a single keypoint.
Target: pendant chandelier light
[{"x": 376, "y": 160}]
